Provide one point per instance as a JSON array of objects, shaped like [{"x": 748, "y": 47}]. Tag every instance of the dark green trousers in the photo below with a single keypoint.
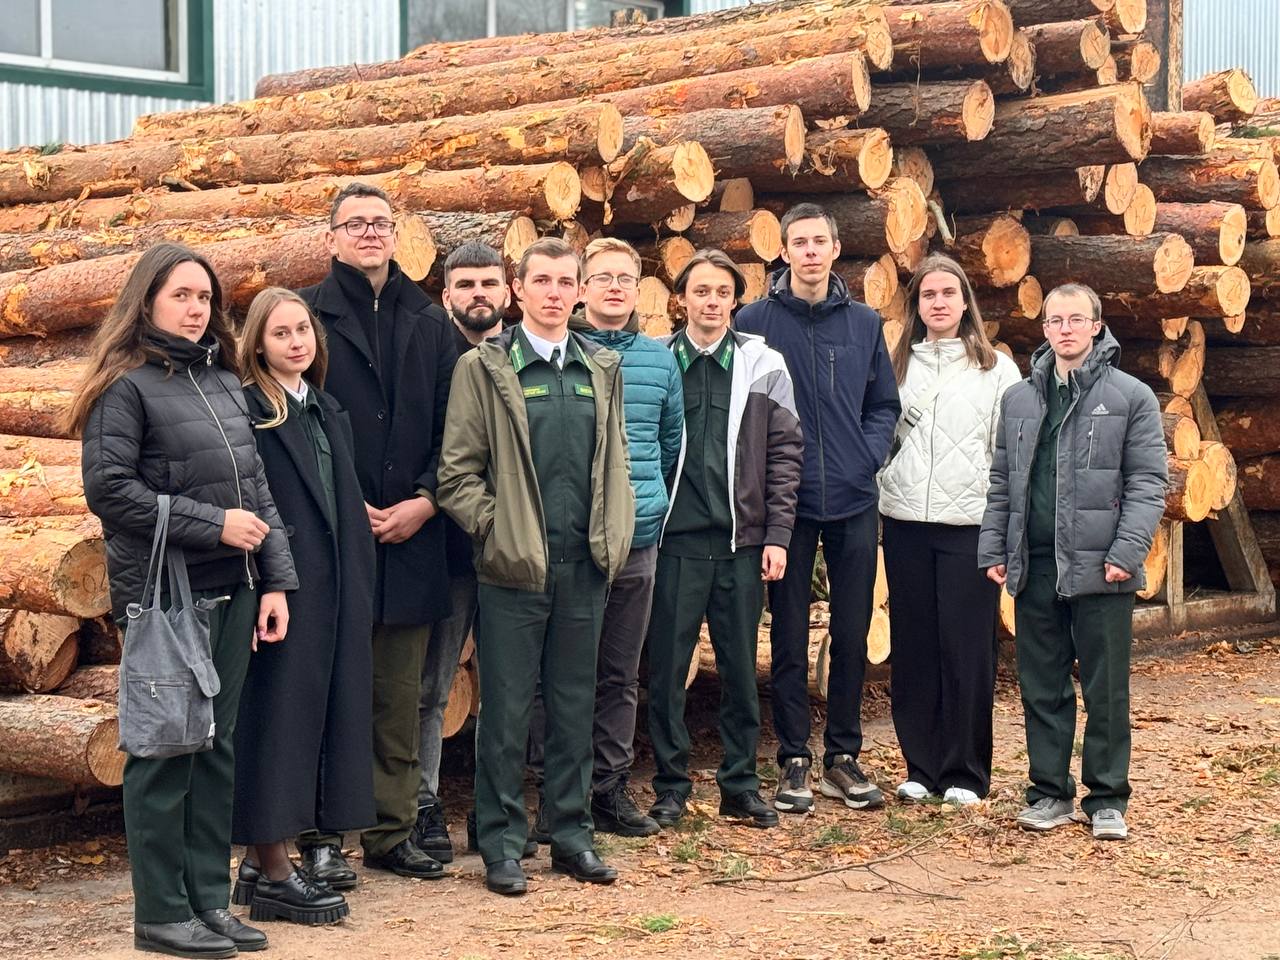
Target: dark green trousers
[
  {"x": 398, "y": 655},
  {"x": 1052, "y": 633},
  {"x": 524, "y": 636},
  {"x": 730, "y": 594},
  {"x": 177, "y": 812}
]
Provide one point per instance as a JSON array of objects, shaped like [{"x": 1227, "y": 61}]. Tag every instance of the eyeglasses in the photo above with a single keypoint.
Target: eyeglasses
[
  {"x": 603, "y": 281},
  {"x": 1075, "y": 322},
  {"x": 358, "y": 228}
]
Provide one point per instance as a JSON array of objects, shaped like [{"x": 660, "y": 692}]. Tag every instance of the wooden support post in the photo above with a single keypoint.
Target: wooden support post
[{"x": 1164, "y": 30}]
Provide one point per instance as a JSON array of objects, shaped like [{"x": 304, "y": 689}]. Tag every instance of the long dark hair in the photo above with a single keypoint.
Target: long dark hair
[
  {"x": 976, "y": 345},
  {"x": 120, "y": 342}
]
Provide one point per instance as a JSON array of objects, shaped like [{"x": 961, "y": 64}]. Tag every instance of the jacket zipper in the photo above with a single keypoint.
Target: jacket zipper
[
  {"x": 235, "y": 471},
  {"x": 1057, "y": 449},
  {"x": 817, "y": 411},
  {"x": 933, "y": 432},
  {"x": 831, "y": 361}
]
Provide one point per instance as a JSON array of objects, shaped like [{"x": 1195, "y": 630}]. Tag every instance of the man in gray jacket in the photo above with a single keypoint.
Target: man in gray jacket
[{"x": 1077, "y": 488}]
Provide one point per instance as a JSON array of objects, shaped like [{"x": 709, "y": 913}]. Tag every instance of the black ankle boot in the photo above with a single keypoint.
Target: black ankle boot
[{"x": 615, "y": 812}]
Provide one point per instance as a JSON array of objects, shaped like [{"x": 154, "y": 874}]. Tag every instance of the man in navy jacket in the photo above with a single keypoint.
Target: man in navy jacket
[{"x": 848, "y": 403}]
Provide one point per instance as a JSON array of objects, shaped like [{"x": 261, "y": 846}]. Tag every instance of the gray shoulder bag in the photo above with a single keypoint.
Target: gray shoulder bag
[{"x": 167, "y": 679}]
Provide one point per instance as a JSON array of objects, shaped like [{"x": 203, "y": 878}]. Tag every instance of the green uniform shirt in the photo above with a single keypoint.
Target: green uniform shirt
[
  {"x": 701, "y": 523},
  {"x": 308, "y": 413},
  {"x": 1044, "y": 472},
  {"x": 561, "y": 407}
]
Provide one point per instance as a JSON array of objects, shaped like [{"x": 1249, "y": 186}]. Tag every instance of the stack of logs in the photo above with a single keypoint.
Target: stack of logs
[{"x": 1013, "y": 134}]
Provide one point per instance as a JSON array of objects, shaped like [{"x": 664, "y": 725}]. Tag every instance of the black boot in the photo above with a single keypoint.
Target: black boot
[
  {"x": 431, "y": 833},
  {"x": 298, "y": 900},
  {"x": 406, "y": 860},
  {"x": 747, "y": 805},
  {"x": 585, "y": 866},
  {"x": 615, "y": 812},
  {"x": 190, "y": 938},
  {"x": 222, "y": 921},
  {"x": 473, "y": 844},
  {"x": 325, "y": 865},
  {"x": 506, "y": 877},
  {"x": 668, "y": 809}
]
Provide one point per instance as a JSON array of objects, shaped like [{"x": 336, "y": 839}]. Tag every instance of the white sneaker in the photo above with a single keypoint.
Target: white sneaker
[
  {"x": 913, "y": 791},
  {"x": 960, "y": 797},
  {"x": 1108, "y": 824}
]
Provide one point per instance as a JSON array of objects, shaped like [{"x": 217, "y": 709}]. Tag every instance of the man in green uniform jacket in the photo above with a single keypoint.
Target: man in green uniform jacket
[{"x": 535, "y": 470}]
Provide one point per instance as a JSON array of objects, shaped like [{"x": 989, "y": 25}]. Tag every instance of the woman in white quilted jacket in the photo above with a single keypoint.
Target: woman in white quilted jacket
[{"x": 942, "y": 609}]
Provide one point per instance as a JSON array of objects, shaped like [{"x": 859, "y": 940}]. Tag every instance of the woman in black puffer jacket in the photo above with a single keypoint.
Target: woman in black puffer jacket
[{"x": 160, "y": 411}]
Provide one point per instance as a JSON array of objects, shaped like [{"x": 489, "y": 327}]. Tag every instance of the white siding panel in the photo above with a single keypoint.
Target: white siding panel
[
  {"x": 1234, "y": 33},
  {"x": 250, "y": 38},
  {"x": 706, "y": 6}
]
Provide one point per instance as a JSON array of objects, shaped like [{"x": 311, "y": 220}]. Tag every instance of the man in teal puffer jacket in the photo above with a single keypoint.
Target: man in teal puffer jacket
[{"x": 653, "y": 397}]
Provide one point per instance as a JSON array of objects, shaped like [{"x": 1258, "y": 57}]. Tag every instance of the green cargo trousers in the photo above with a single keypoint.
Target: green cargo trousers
[
  {"x": 730, "y": 594},
  {"x": 524, "y": 635},
  {"x": 177, "y": 811},
  {"x": 1052, "y": 633},
  {"x": 398, "y": 654}
]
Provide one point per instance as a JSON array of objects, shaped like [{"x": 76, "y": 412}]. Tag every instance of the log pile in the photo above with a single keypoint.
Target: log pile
[{"x": 1013, "y": 134}]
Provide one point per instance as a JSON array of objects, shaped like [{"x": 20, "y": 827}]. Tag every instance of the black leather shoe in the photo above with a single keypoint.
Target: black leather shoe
[
  {"x": 406, "y": 860},
  {"x": 431, "y": 833},
  {"x": 190, "y": 938},
  {"x": 748, "y": 806},
  {"x": 246, "y": 879},
  {"x": 325, "y": 865},
  {"x": 297, "y": 900},
  {"x": 473, "y": 844},
  {"x": 585, "y": 866},
  {"x": 223, "y": 922},
  {"x": 506, "y": 877},
  {"x": 668, "y": 809},
  {"x": 615, "y": 812}
]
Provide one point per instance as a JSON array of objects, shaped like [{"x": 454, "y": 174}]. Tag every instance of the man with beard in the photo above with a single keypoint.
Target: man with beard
[{"x": 475, "y": 295}]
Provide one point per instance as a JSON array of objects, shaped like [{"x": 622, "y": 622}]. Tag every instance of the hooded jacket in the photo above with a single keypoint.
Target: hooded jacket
[
  {"x": 653, "y": 399},
  {"x": 941, "y": 473},
  {"x": 179, "y": 424},
  {"x": 766, "y": 445},
  {"x": 845, "y": 391},
  {"x": 1112, "y": 470},
  {"x": 487, "y": 481}
]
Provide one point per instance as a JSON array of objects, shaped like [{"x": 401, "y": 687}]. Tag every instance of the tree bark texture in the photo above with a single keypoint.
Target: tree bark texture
[{"x": 61, "y": 738}]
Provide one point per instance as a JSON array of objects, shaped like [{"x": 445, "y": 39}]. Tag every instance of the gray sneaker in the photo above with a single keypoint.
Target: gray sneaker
[
  {"x": 1047, "y": 813},
  {"x": 844, "y": 780},
  {"x": 1108, "y": 824},
  {"x": 794, "y": 795}
]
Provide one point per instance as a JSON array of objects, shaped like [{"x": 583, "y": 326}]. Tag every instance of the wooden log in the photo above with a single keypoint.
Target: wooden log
[
  {"x": 1261, "y": 261},
  {"x": 1137, "y": 59},
  {"x": 37, "y": 351},
  {"x": 1208, "y": 292},
  {"x": 1050, "y": 225},
  {"x": 1218, "y": 175},
  {"x": 1215, "y": 231},
  {"x": 50, "y": 570},
  {"x": 1156, "y": 565},
  {"x": 1104, "y": 125},
  {"x": 993, "y": 253},
  {"x": 1192, "y": 489},
  {"x": 17, "y": 451},
  {"x": 1177, "y": 367},
  {"x": 735, "y": 195},
  {"x": 101, "y": 641},
  {"x": 578, "y": 133},
  {"x": 868, "y": 225},
  {"x": 33, "y": 399},
  {"x": 1259, "y": 327},
  {"x": 1250, "y": 428},
  {"x": 1019, "y": 70},
  {"x": 1259, "y": 480},
  {"x": 757, "y": 277},
  {"x": 457, "y": 707},
  {"x": 665, "y": 258},
  {"x": 1045, "y": 11},
  {"x": 100, "y": 682},
  {"x": 1243, "y": 372},
  {"x": 38, "y": 651},
  {"x": 914, "y": 164},
  {"x": 1264, "y": 223},
  {"x": 1022, "y": 300},
  {"x": 1174, "y": 403},
  {"x": 741, "y": 143},
  {"x": 1061, "y": 188},
  {"x": 878, "y": 638},
  {"x": 941, "y": 35},
  {"x": 1135, "y": 266},
  {"x": 1229, "y": 95},
  {"x": 874, "y": 282},
  {"x": 653, "y": 304},
  {"x": 1138, "y": 219},
  {"x": 837, "y": 85},
  {"x": 756, "y": 235},
  {"x": 1072, "y": 46},
  {"x": 1188, "y": 132},
  {"x": 61, "y": 738},
  {"x": 835, "y": 161},
  {"x": 1119, "y": 187},
  {"x": 1181, "y": 436},
  {"x": 506, "y": 231},
  {"x": 1222, "y": 465},
  {"x": 648, "y": 182},
  {"x": 35, "y": 490},
  {"x": 932, "y": 113}
]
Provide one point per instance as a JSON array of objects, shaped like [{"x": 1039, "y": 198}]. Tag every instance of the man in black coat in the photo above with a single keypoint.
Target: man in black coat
[{"x": 391, "y": 356}]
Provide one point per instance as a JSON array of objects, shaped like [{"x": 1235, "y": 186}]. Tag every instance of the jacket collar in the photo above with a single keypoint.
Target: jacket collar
[
  {"x": 357, "y": 289},
  {"x": 293, "y": 438},
  {"x": 578, "y": 322},
  {"x": 686, "y": 351},
  {"x": 1105, "y": 353},
  {"x": 173, "y": 351},
  {"x": 780, "y": 292}
]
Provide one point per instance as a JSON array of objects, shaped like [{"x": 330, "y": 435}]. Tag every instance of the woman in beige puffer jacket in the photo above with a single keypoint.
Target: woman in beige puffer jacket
[{"x": 942, "y": 609}]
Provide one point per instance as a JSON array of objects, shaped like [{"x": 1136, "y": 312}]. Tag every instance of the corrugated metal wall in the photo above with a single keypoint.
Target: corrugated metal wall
[{"x": 250, "y": 38}]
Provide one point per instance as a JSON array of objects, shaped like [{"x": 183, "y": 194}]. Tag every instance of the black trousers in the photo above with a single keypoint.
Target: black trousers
[
  {"x": 942, "y": 615},
  {"x": 849, "y": 546}
]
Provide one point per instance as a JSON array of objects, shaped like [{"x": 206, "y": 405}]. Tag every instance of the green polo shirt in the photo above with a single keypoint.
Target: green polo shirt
[
  {"x": 1043, "y": 481},
  {"x": 561, "y": 408},
  {"x": 701, "y": 523}
]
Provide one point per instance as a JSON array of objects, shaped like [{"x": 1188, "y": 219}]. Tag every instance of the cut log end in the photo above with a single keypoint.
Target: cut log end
[
  {"x": 1133, "y": 123},
  {"x": 1140, "y": 215},
  {"x": 38, "y": 651},
  {"x": 1119, "y": 187},
  {"x": 520, "y": 236},
  {"x": 978, "y": 111},
  {"x": 1095, "y": 45},
  {"x": 1174, "y": 261},
  {"x": 1128, "y": 16},
  {"x": 793, "y": 138},
  {"x": 736, "y": 195},
  {"x": 681, "y": 218},
  {"x": 562, "y": 190},
  {"x": 875, "y": 159},
  {"x": 1268, "y": 186},
  {"x": 860, "y": 79},
  {"x": 1007, "y": 251},
  {"x": 1232, "y": 234},
  {"x": 1181, "y": 436},
  {"x": 995, "y": 31},
  {"x": 1233, "y": 290},
  {"x": 693, "y": 172},
  {"x": 610, "y": 133},
  {"x": 415, "y": 248},
  {"x": 1192, "y": 490},
  {"x": 1021, "y": 65},
  {"x": 1157, "y": 563},
  {"x": 1222, "y": 467}
]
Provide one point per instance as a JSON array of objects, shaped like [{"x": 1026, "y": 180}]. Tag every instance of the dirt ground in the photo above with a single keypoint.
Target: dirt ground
[{"x": 1199, "y": 877}]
